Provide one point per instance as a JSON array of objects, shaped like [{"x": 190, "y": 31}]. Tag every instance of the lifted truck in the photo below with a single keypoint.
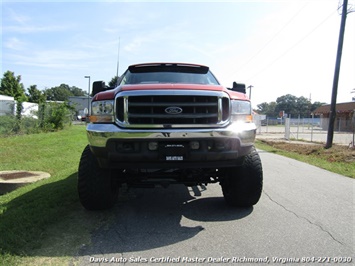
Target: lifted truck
[{"x": 169, "y": 123}]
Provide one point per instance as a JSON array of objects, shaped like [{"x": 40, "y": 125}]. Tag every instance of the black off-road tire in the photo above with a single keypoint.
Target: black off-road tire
[
  {"x": 97, "y": 189},
  {"x": 242, "y": 186}
]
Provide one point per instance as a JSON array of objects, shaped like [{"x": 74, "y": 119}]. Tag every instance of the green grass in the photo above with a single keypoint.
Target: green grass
[
  {"x": 333, "y": 160},
  {"x": 39, "y": 217}
]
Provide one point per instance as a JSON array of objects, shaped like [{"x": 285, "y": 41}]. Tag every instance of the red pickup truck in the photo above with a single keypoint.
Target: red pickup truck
[{"x": 169, "y": 123}]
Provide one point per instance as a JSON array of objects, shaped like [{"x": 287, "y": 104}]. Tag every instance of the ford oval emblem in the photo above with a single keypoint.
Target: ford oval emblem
[{"x": 173, "y": 110}]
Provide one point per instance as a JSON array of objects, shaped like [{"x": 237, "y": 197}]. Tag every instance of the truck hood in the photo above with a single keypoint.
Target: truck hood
[
  {"x": 171, "y": 86},
  {"x": 110, "y": 94}
]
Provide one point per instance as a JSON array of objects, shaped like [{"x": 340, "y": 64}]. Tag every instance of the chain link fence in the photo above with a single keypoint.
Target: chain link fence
[{"x": 306, "y": 129}]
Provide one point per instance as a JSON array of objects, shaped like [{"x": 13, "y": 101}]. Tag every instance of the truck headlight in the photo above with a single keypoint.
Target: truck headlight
[
  {"x": 102, "y": 111},
  {"x": 241, "y": 111}
]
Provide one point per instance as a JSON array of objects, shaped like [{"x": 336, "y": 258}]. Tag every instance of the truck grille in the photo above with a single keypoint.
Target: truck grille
[{"x": 176, "y": 110}]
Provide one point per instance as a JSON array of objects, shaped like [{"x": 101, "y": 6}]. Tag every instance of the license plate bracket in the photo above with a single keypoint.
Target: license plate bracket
[{"x": 173, "y": 151}]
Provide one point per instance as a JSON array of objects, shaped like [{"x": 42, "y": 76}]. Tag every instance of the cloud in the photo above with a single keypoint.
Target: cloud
[
  {"x": 55, "y": 59},
  {"x": 33, "y": 28},
  {"x": 14, "y": 43},
  {"x": 16, "y": 17},
  {"x": 15, "y": 21},
  {"x": 135, "y": 44}
]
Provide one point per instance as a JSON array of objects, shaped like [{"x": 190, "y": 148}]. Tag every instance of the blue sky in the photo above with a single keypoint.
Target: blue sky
[{"x": 278, "y": 47}]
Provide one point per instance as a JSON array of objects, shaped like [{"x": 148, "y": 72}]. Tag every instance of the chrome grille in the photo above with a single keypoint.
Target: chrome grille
[{"x": 178, "y": 109}]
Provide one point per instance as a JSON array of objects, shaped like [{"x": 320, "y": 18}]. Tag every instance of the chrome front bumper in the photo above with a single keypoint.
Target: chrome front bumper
[
  {"x": 115, "y": 147},
  {"x": 99, "y": 134}
]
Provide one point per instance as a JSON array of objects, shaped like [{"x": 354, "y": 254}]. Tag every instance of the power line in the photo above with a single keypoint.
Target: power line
[
  {"x": 293, "y": 46},
  {"x": 272, "y": 38}
]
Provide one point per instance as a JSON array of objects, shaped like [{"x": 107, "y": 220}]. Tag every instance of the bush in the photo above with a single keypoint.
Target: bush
[
  {"x": 7, "y": 123},
  {"x": 51, "y": 117},
  {"x": 54, "y": 116}
]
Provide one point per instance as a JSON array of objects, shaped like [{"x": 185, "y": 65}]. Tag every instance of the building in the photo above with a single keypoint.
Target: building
[
  {"x": 79, "y": 102},
  {"x": 7, "y": 105},
  {"x": 81, "y": 105},
  {"x": 345, "y": 117}
]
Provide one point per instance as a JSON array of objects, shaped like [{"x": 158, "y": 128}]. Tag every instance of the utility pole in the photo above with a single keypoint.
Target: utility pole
[
  {"x": 118, "y": 59},
  {"x": 88, "y": 111},
  {"x": 332, "y": 113}
]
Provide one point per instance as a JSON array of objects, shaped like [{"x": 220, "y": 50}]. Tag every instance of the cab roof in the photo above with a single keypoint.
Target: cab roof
[{"x": 168, "y": 67}]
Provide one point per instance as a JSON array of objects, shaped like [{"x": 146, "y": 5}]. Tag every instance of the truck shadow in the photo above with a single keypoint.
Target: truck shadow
[
  {"x": 150, "y": 218},
  {"x": 143, "y": 219}
]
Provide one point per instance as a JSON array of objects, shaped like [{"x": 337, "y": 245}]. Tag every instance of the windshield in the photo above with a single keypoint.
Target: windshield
[{"x": 161, "y": 75}]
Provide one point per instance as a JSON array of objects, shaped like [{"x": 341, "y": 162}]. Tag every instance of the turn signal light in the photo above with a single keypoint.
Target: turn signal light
[{"x": 101, "y": 119}]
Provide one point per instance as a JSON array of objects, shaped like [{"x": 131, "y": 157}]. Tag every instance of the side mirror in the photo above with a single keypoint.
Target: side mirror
[
  {"x": 239, "y": 87},
  {"x": 98, "y": 86}
]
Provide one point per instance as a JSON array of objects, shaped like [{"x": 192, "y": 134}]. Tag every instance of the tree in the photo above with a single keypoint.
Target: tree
[
  {"x": 34, "y": 95},
  {"x": 294, "y": 106},
  {"x": 290, "y": 104},
  {"x": 113, "y": 82},
  {"x": 75, "y": 91},
  {"x": 315, "y": 105},
  {"x": 268, "y": 109},
  {"x": 262, "y": 108},
  {"x": 287, "y": 103},
  {"x": 12, "y": 86},
  {"x": 303, "y": 107},
  {"x": 62, "y": 92}
]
